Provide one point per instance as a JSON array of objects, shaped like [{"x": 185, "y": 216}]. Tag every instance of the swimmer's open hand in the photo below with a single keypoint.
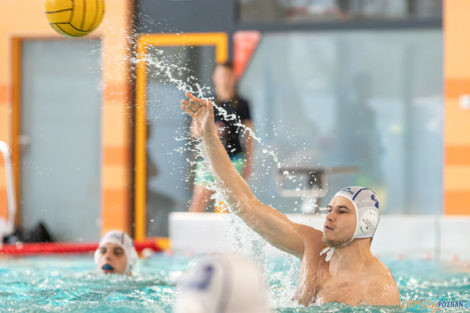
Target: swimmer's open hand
[{"x": 202, "y": 113}]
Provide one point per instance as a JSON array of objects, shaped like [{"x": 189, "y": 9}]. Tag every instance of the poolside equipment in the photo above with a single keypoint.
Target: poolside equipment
[
  {"x": 7, "y": 225},
  {"x": 74, "y": 18},
  {"x": 315, "y": 187}
]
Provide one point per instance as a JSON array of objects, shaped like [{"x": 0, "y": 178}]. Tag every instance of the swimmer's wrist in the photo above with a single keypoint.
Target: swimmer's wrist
[{"x": 209, "y": 135}]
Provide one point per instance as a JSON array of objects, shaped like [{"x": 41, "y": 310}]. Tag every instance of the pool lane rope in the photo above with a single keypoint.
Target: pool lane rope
[{"x": 65, "y": 248}]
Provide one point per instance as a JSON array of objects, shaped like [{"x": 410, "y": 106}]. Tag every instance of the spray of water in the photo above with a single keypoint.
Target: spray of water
[{"x": 248, "y": 242}]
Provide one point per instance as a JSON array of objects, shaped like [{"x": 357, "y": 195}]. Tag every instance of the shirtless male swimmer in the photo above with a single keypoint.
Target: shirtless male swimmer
[{"x": 336, "y": 264}]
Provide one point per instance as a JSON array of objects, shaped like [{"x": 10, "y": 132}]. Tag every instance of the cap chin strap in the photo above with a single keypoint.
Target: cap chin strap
[{"x": 329, "y": 251}]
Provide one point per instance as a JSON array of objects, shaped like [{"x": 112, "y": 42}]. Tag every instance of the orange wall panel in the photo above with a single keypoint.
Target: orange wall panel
[
  {"x": 456, "y": 126},
  {"x": 25, "y": 19},
  {"x": 116, "y": 155},
  {"x": 455, "y": 87},
  {"x": 457, "y": 43},
  {"x": 4, "y": 125},
  {"x": 4, "y": 94},
  {"x": 457, "y": 202},
  {"x": 115, "y": 177},
  {"x": 456, "y": 177},
  {"x": 115, "y": 122},
  {"x": 457, "y": 155},
  {"x": 457, "y": 119},
  {"x": 114, "y": 203},
  {"x": 116, "y": 93},
  {"x": 116, "y": 167}
]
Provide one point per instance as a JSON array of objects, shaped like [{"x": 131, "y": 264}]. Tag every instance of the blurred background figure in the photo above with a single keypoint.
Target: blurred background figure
[
  {"x": 237, "y": 142},
  {"x": 222, "y": 283},
  {"x": 116, "y": 253}
]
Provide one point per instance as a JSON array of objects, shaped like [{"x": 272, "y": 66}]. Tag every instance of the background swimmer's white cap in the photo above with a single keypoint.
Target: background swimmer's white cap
[
  {"x": 122, "y": 239},
  {"x": 222, "y": 283},
  {"x": 366, "y": 203}
]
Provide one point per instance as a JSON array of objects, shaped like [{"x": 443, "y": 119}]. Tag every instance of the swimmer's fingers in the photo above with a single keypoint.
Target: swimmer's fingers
[
  {"x": 195, "y": 100},
  {"x": 198, "y": 106},
  {"x": 190, "y": 96},
  {"x": 209, "y": 106},
  {"x": 185, "y": 107},
  {"x": 191, "y": 105}
]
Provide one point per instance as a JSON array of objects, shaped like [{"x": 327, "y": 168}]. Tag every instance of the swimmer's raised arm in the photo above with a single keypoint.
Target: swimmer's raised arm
[
  {"x": 248, "y": 143},
  {"x": 266, "y": 221},
  {"x": 193, "y": 130}
]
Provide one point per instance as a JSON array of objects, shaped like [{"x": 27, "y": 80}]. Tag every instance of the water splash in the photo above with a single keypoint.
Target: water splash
[{"x": 248, "y": 242}]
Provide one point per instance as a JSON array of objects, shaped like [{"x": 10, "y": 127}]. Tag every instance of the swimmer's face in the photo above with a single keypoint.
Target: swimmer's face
[
  {"x": 224, "y": 79},
  {"x": 112, "y": 257},
  {"x": 340, "y": 222}
]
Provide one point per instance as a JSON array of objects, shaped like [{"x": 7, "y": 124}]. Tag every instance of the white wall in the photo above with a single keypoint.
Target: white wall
[{"x": 415, "y": 236}]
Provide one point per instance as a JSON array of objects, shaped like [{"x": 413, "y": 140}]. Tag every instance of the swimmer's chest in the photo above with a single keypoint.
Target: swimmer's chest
[
  {"x": 324, "y": 288},
  {"x": 346, "y": 290}
]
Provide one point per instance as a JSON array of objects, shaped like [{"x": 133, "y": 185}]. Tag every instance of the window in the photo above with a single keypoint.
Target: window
[{"x": 291, "y": 11}]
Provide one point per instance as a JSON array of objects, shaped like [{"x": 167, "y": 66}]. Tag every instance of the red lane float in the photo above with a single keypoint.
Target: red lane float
[{"x": 65, "y": 248}]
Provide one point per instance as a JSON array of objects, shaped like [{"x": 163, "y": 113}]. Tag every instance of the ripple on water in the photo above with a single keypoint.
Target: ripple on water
[{"x": 70, "y": 284}]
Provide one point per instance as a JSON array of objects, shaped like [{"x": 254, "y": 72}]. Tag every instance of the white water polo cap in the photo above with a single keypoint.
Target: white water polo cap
[
  {"x": 367, "y": 204},
  {"x": 222, "y": 284},
  {"x": 122, "y": 239}
]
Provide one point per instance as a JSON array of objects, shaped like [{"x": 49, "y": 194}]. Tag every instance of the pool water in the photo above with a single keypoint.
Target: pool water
[{"x": 72, "y": 284}]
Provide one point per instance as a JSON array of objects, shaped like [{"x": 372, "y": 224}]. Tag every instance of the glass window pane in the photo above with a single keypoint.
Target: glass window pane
[
  {"x": 170, "y": 72},
  {"x": 373, "y": 100},
  {"x": 337, "y": 10}
]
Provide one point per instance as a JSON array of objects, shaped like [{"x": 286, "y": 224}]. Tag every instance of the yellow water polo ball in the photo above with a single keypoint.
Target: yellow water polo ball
[{"x": 74, "y": 18}]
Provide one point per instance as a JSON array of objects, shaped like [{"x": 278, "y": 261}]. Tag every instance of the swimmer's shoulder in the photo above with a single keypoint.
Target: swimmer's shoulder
[
  {"x": 380, "y": 286},
  {"x": 312, "y": 240},
  {"x": 381, "y": 291},
  {"x": 379, "y": 268}
]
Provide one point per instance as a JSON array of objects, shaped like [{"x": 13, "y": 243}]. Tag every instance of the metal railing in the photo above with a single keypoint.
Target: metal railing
[
  {"x": 314, "y": 188},
  {"x": 7, "y": 227}
]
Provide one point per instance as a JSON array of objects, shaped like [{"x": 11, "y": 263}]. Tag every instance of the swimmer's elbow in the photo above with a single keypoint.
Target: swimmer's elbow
[
  {"x": 248, "y": 207},
  {"x": 240, "y": 205},
  {"x": 248, "y": 204}
]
